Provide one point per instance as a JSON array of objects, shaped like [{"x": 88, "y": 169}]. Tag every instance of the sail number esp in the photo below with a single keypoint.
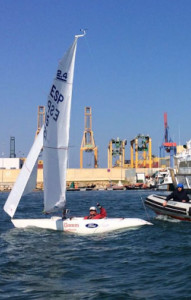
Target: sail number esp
[
  {"x": 56, "y": 95},
  {"x": 52, "y": 110}
]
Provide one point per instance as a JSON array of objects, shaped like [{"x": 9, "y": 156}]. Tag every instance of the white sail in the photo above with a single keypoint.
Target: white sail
[
  {"x": 31, "y": 184},
  {"x": 26, "y": 177},
  {"x": 56, "y": 132}
]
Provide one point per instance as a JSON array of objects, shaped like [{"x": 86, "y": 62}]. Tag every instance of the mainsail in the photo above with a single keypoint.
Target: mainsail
[
  {"x": 56, "y": 132},
  {"x": 26, "y": 178}
]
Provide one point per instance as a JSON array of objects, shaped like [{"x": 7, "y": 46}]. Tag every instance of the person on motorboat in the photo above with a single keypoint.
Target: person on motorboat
[
  {"x": 93, "y": 213},
  {"x": 179, "y": 195}
]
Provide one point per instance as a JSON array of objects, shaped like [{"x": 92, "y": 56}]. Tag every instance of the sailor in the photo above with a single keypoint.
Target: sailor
[
  {"x": 179, "y": 195},
  {"x": 93, "y": 213},
  {"x": 63, "y": 214}
]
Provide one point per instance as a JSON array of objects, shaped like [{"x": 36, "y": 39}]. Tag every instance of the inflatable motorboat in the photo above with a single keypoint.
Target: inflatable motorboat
[{"x": 173, "y": 209}]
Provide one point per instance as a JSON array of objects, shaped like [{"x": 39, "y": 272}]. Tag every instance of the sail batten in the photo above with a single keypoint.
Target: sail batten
[{"x": 56, "y": 133}]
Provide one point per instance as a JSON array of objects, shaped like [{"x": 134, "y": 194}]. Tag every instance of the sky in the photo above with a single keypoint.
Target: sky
[{"x": 133, "y": 65}]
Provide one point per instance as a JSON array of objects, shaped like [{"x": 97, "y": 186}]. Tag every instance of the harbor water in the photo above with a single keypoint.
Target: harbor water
[{"x": 152, "y": 262}]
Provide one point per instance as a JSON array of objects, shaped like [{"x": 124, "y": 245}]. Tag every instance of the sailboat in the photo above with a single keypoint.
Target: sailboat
[{"x": 54, "y": 139}]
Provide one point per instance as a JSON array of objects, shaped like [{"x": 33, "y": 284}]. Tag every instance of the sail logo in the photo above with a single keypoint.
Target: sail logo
[
  {"x": 61, "y": 76},
  {"x": 70, "y": 225},
  {"x": 91, "y": 225}
]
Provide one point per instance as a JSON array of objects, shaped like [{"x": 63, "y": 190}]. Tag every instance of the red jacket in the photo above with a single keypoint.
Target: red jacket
[{"x": 101, "y": 215}]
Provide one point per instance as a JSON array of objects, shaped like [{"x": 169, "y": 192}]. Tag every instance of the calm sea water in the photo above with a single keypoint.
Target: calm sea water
[{"x": 152, "y": 262}]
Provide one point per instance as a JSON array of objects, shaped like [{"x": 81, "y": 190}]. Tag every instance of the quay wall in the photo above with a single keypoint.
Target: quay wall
[{"x": 93, "y": 176}]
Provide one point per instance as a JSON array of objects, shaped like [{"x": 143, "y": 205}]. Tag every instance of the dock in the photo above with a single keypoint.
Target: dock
[{"x": 99, "y": 177}]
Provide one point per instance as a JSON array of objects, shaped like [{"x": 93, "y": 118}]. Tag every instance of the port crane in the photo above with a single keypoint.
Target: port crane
[
  {"x": 88, "y": 142},
  {"x": 116, "y": 148},
  {"x": 141, "y": 151},
  {"x": 41, "y": 118},
  {"x": 168, "y": 145}
]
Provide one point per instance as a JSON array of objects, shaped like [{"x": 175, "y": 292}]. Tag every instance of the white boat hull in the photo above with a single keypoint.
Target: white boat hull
[
  {"x": 80, "y": 225},
  {"x": 163, "y": 187},
  {"x": 173, "y": 209}
]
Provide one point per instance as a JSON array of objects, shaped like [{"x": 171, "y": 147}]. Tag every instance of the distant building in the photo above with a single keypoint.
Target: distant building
[{"x": 10, "y": 163}]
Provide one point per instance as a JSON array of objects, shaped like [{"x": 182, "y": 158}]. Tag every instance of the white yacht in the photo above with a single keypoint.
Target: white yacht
[
  {"x": 163, "y": 180},
  {"x": 183, "y": 174}
]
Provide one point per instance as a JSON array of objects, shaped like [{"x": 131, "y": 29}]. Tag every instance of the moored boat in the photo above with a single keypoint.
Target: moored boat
[
  {"x": 163, "y": 180},
  {"x": 183, "y": 174}
]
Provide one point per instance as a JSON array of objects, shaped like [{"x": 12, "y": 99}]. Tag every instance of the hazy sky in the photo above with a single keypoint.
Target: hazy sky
[{"x": 133, "y": 65}]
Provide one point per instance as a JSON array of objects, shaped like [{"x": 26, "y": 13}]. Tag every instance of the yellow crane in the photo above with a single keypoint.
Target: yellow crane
[
  {"x": 142, "y": 145},
  {"x": 116, "y": 148},
  {"x": 88, "y": 143},
  {"x": 41, "y": 118}
]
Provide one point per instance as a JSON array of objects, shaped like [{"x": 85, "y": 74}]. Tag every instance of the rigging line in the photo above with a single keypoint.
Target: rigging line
[{"x": 145, "y": 208}]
